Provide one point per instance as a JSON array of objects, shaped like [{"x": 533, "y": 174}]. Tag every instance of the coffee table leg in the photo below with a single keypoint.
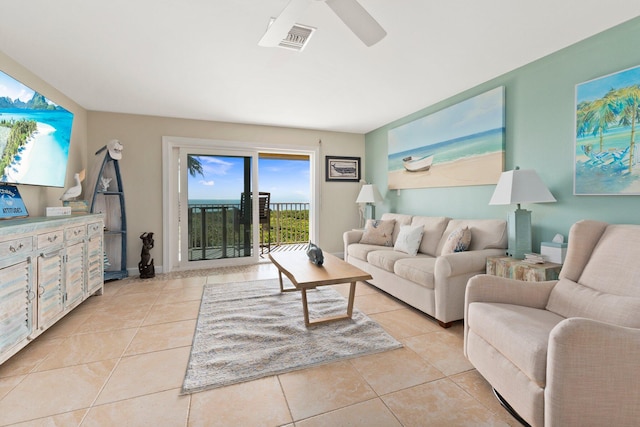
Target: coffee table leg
[
  {"x": 280, "y": 277},
  {"x": 307, "y": 323},
  {"x": 352, "y": 294},
  {"x": 305, "y": 308}
]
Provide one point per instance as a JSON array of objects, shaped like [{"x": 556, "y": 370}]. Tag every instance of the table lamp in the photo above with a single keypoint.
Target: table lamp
[
  {"x": 516, "y": 187},
  {"x": 369, "y": 195}
]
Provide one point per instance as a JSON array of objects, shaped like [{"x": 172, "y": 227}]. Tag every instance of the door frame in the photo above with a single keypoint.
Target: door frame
[{"x": 171, "y": 148}]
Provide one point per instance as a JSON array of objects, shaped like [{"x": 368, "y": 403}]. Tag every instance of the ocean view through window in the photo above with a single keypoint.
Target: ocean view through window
[{"x": 218, "y": 227}]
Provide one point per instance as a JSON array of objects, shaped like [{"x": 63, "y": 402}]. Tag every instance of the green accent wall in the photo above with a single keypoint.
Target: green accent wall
[{"x": 540, "y": 122}]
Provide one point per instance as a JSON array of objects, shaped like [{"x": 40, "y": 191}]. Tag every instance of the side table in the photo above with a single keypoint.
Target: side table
[{"x": 505, "y": 266}]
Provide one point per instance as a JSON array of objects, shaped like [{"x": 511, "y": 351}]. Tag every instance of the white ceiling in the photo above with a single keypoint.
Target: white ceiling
[{"x": 200, "y": 59}]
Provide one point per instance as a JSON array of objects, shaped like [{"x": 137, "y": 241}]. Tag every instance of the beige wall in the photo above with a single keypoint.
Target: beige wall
[
  {"x": 141, "y": 165},
  {"x": 141, "y": 168},
  {"x": 37, "y": 198}
]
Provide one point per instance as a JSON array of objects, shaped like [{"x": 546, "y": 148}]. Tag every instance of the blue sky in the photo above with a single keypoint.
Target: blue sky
[
  {"x": 599, "y": 87},
  {"x": 480, "y": 113},
  {"x": 286, "y": 180},
  {"x": 13, "y": 89}
]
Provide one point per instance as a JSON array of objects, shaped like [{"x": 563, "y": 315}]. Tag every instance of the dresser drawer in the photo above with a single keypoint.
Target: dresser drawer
[
  {"x": 16, "y": 246},
  {"x": 74, "y": 232},
  {"x": 49, "y": 239},
  {"x": 95, "y": 228}
]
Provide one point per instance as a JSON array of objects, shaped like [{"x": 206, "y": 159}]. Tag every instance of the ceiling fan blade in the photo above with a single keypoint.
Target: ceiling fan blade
[
  {"x": 358, "y": 20},
  {"x": 283, "y": 23}
]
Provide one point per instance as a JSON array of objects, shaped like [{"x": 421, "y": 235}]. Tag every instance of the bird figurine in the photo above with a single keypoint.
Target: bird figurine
[{"x": 73, "y": 192}]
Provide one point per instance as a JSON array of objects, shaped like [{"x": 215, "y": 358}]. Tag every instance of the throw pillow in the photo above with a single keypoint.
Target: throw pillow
[
  {"x": 458, "y": 241},
  {"x": 409, "y": 239},
  {"x": 378, "y": 232}
]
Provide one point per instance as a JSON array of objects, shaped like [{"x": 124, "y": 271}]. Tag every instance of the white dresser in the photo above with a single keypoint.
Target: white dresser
[{"x": 47, "y": 267}]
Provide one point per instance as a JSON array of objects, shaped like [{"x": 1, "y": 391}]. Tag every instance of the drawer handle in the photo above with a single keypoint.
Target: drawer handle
[
  {"x": 15, "y": 249},
  {"x": 50, "y": 255},
  {"x": 53, "y": 238},
  {"x": 76, "y": 232},
  {"x": 30, "y": 296}
]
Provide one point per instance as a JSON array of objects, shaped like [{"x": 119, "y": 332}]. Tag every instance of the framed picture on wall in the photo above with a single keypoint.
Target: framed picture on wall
[
  {"x": 345, "y": 169},
  {"x": 606, "y": 151},
  {"x": 461, "y": 145}
]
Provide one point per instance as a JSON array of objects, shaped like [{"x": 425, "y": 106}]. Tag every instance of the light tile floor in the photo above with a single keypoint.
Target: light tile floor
[{"x": 119, "y": 360}]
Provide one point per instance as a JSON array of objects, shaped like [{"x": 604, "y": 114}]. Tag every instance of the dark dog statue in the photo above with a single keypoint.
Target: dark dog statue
[{"x": 147, "y": 270}]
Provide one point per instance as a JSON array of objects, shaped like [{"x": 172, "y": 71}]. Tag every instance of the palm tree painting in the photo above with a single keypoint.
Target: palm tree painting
[{"x": 606, "y": 155}]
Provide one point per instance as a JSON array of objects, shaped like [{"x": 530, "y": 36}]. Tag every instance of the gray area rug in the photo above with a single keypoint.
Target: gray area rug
[{"x": 251, "y": 330}]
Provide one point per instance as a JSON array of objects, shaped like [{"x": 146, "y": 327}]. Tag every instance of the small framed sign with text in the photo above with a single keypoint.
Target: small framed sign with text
[{"x": 11, "y": 204}]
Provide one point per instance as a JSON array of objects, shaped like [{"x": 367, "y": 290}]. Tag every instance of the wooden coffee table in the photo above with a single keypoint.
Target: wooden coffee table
[{"x": 306, "y": 275}]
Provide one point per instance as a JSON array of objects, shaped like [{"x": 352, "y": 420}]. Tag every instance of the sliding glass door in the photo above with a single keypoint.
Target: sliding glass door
[
  {"x": 218, "y": 213},
  {"x": 216, "y": 221},
  {"x": 211, "y": 217}
]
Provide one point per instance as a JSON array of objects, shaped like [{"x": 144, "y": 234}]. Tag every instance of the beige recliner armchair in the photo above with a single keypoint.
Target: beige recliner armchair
[{"x": 565, "y": 352}]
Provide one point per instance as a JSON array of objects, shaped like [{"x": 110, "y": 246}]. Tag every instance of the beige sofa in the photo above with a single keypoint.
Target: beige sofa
[
  {"x": 429, "y": 281},
  {"x": 565, "y": 352}
]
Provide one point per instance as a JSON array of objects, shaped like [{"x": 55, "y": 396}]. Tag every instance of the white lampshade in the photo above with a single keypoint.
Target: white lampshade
[
  {"x": 520, "y": 186},
  {"x": 369, "y": 194},
  {"x": 515, "y": 187}
]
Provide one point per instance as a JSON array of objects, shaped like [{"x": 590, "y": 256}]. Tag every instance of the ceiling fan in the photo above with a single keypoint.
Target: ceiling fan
[{"x": 349, "y": 11}]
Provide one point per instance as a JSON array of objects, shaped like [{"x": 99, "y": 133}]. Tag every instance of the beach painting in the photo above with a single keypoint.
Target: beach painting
[
  {"x": 606, "y": 153},
  {"x": 35, "y": 135},
  {"x": 460, "y": 145}
]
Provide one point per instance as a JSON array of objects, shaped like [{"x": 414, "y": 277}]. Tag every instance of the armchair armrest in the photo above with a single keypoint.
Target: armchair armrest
[
  {"x": 592, "y": 374},
  {"x": 486, "y": 288}
]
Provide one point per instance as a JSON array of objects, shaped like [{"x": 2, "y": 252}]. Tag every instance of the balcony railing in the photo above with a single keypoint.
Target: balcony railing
[{"x": 216, "y": 230}]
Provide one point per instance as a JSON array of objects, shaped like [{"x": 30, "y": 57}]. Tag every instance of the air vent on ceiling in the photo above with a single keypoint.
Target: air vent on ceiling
[{"x": 297, "y": 38}]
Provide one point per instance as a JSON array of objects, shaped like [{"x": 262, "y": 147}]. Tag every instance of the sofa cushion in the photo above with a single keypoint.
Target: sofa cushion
[
  {"x": 458, "y": 241},
  {"x": 385, "y": 258},
  {"x": 433, "y": 228},
  {"x": 571, "y": 299},
  {"x": 485, "y": 233},
  {"x": 378, "y": 232},
  {"x": 519, "y": 333},
  {"x": 400, "y": 219},
  {"x": 360, "y": 251},
  {"x": 409, "y": 239},
  {"x": 417, "y": 269}
]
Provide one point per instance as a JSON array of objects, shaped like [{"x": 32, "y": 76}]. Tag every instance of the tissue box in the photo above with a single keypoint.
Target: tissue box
[
  {"x": 554, "y": 252},
  {"x": 57, "y": 211}
]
